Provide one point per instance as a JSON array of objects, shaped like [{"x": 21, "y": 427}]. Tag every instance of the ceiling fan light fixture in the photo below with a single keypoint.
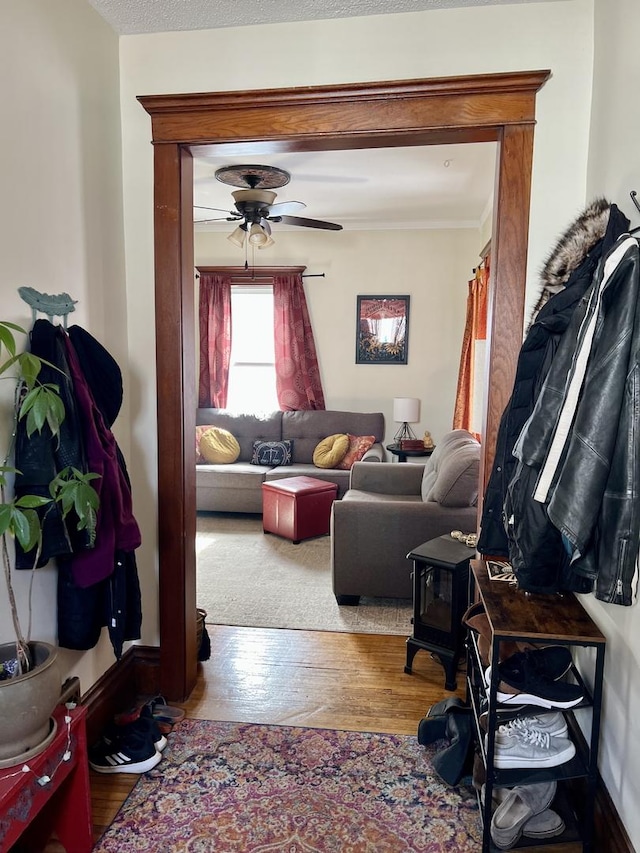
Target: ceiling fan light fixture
[
  {"x": 238, "y": 236},
  {"x": 258, "y": 236},
  {"x": 270, "y": 242},
  {"x": 263, "y": 197}
]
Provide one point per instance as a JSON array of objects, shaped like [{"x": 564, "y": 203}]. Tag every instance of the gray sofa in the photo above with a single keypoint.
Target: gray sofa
[
  {"x": 238, "y": 487},
  {"x": 391, "y": 509}
]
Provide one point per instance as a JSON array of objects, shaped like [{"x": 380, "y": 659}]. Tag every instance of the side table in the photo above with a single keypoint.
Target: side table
[
  {"x": 440, "y": 593},
  {"x": 31, "y": 811},
  {"x": 403, "y": 454}
]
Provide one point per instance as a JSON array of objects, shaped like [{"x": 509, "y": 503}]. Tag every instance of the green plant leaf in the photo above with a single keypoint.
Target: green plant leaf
[
  {"x": 26, "y": 527},
  {"x": 7, "y": 339},
  {"x": 32, "y": 501},
  {"x": 30, "y": 366},
  {"x": 6, "y": 365},
  {"x": 6, "y": 513},
  {"x": 73, "y": 491},
  {"x": 42, "y": 405}
]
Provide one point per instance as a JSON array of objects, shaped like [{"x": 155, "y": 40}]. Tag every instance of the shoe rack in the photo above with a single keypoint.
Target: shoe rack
[{"x": 516, "y": 616}]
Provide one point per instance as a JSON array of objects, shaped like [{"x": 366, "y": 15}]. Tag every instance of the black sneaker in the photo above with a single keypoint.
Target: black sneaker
[
  {"x": 132, "y": 752},
  {"x": 532, "y": 687},
  {"x": 145, "y": 723},
  {"x": 551, "y": 661}
]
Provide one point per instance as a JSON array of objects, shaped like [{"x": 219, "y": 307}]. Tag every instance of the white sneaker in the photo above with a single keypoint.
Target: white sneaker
[
  {"x": 531, "y": 748},
  {"x": 553, "y": 724}
]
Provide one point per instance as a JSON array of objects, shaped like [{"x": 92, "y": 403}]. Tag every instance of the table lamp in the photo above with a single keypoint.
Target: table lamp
[{"x": 406, "y": 410}]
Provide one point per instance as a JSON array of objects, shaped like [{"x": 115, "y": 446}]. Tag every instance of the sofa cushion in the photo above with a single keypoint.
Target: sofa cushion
[
  {"x": 331, "y": 450},
  {"x": 246, "y": 428},
  {"x": 271, "y": 453},
  {"x": 457, "y": 482},
  {"x": 447, "y": 445},
  {"x": 219, "y": 447},
  {"x": 309, "y": 427},
  {"x": 358, "y": 446}
]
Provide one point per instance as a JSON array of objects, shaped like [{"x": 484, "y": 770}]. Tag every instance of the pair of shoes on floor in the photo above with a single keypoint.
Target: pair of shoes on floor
[
  {"x": 165, "y": 715},
  {"x": 134, "y": 747},
  {"x": 540, "y": 741},
  {"x": 524, "y": 810},
  {"x": 533, "y": 677}
]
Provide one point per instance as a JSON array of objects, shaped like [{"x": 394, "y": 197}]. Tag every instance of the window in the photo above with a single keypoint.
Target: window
[{"x": 252, "y": 373}]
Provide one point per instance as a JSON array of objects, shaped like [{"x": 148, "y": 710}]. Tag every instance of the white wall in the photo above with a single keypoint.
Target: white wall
[
  {"x": 433, "y": 267},
  {"x": 61, "y": 214},
  {"x": 614, "y": 170}
]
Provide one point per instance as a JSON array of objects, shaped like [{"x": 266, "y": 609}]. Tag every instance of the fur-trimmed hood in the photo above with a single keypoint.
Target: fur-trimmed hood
[{"x": 571, "y": 249}]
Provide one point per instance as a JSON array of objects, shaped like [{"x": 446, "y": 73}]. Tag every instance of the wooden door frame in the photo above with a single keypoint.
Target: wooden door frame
[{"x": 479, "y": 108}]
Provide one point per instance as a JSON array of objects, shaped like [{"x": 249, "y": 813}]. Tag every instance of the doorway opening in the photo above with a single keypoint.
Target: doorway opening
[{"x": 481, "y": 108}]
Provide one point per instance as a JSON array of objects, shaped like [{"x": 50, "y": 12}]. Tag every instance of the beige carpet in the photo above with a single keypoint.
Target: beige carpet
[{"x": 247, "y": 578}]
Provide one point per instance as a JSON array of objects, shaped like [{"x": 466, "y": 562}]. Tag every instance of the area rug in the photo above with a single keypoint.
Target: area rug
[
  {"x": 244, "y": 788},
  {"x": 252, "y": 579}
]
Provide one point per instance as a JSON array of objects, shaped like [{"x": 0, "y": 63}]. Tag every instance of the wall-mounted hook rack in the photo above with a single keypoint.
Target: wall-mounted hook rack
[{"x": 634, "y": 198}]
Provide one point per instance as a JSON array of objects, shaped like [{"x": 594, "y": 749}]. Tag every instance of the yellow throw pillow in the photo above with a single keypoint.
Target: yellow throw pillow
[
  {"x": 331, "y": 450},
  {"x": 200, "y": 431},
  {"x": 219, "y": 447}
]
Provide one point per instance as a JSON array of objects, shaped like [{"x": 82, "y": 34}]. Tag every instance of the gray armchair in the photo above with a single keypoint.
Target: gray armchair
[{"x": 390, "y": 509}]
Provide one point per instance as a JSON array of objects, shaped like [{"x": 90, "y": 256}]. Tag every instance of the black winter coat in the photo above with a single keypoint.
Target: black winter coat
[{"x": 582, "y": 246}]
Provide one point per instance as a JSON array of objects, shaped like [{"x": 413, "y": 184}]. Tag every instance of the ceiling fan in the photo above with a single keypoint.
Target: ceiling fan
[{"x": 254, "y": 205}]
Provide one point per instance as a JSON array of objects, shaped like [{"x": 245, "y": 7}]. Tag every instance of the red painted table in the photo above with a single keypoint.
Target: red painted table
[{"x": 32, "y": 810}]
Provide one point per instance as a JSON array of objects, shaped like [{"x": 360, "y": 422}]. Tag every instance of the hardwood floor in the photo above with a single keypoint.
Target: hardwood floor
[{"x": 299, "y": 678}]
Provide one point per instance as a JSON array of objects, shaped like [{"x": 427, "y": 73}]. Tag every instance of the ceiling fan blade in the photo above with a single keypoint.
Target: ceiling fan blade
[
  {"x": 216, "y": 219},
  {"x": 311, "y": 223},
  {"x": 282, "y": 207},
  {"x": 233, "y": 213}
]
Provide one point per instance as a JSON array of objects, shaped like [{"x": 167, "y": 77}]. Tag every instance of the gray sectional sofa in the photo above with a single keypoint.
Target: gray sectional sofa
[{"x": 237, "y": 487}]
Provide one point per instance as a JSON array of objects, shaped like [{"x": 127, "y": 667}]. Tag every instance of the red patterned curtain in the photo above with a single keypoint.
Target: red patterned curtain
[
  {"x": 298, "y": 382},
  {"x": 215, "y": 339},
  {"x": 475, "y": 330}
]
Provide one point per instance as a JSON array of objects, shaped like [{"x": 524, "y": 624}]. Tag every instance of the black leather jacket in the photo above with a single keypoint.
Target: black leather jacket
[
  {"x": 573, "y": 507},
  {"x": 566, "y": 276}
]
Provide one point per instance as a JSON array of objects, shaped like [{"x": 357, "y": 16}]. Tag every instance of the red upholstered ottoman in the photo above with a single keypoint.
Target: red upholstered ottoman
[{"x": 297, "y": 507}]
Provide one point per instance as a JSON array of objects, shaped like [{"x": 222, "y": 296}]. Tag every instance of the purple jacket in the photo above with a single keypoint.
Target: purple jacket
[{"x": 117, "y": 528}]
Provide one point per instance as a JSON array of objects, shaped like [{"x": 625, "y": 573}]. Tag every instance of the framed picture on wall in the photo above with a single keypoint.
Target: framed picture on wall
[{"x": 382, "y": 332}]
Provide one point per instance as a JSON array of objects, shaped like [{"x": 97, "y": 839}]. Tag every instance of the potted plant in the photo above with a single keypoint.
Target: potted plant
[{"x": 29, "y": 674}]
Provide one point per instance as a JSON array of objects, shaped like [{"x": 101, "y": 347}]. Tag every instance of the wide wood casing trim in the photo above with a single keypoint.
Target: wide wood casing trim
[
  {"x": 347, "y": 111},
  {"x": 500, "y": 107}
]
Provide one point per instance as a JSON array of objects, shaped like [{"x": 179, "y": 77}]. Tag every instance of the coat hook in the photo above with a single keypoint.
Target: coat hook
[{"x": 634, "y": 199}]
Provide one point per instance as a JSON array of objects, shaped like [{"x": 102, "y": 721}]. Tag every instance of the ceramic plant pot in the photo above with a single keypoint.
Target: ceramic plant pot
[{"x": 26, "y": 704}]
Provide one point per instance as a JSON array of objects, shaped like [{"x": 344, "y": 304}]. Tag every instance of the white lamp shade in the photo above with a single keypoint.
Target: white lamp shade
[
  {"x": 406, "y": 410},
  {"x": 257, "y": 235}
]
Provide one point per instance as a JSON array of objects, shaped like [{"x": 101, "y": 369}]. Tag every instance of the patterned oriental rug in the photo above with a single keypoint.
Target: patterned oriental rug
[
  {"x": 247, "y": 578},
  {"x": 243, "y": 788}
]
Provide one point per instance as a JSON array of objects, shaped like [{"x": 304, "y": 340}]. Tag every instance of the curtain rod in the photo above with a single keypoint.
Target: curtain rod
[{"x": 305, "y": 275}]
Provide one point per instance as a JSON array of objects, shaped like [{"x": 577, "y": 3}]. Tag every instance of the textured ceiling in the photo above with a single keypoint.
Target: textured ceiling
[{"x": 155, "y": 16}]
